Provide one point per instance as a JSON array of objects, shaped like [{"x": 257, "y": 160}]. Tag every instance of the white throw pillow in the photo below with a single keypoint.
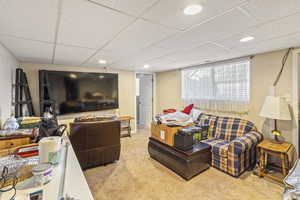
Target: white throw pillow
[
  {"x": 195, "y": 113},
  {"x": 176, "y": 116}
]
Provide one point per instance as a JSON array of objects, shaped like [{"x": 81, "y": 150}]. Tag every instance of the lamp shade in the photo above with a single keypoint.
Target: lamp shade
[{"x": 275, "y": 108}]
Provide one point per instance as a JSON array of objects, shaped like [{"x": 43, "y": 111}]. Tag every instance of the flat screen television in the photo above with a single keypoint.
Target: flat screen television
[{"x": 73, "y": 92}]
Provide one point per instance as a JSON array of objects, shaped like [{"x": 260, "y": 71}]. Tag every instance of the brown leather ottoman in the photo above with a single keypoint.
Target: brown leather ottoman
[{"x": 187, "y": 164}]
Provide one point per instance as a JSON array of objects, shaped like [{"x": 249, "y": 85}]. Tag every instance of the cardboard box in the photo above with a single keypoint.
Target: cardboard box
[{"x": 164, "y": 133}]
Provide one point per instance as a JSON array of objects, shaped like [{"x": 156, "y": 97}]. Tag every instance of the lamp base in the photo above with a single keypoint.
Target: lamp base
[{"x": 276, "y": 139}]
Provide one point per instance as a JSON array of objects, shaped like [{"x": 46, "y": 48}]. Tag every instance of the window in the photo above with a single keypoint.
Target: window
[{"x": 219, "y": 87}]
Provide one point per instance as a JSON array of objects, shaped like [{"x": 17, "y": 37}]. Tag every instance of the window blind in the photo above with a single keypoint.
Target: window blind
[{"x": 220, "y": 86}]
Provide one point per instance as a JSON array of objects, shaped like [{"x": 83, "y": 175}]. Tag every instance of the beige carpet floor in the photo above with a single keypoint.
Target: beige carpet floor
[{"x": 138, "y": 177}]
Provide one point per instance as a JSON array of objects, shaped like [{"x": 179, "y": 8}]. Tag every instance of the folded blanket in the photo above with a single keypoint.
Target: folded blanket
[{"x": 176, "y": 117}]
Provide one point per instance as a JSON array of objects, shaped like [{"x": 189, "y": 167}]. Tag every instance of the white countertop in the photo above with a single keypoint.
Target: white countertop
[{"x": 75, "y": 184}]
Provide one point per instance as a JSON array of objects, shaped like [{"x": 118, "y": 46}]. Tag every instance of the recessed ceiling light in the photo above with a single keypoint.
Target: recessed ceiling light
[
  {"x": 73, "y": 76},
  {"x": 247, "y": 39},
  {"x": 193, "y": 9},
  {"x": 102, "y": 61},
  {"x": 146, "y": 66}
]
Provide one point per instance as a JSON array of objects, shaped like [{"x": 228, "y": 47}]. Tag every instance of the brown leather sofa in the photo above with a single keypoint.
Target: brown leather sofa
[{"x": 96, "y": 143}]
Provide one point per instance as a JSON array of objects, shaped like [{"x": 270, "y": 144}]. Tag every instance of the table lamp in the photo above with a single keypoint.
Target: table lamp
[{"x": 278, "y": 109}]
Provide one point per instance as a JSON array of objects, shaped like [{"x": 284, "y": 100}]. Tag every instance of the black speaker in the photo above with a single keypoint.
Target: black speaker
[{"x": 183, "y": 139}]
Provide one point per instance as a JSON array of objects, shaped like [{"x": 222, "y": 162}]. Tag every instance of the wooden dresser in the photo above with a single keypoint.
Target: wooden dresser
[{"x": 14, "y": 141}]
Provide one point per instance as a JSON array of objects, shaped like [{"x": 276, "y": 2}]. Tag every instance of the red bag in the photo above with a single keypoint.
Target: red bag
[
  {"x": 167, "y": 111},
  {"x": 187, "y": 110}
]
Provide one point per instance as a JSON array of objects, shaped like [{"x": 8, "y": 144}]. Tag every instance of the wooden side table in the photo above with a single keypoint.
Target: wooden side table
[
  {"x": 127, "y": 128},
  {"x": 266, "y": 147}
]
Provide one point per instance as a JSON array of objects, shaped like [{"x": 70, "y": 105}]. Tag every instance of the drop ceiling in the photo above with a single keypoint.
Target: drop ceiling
[{"x": 131, "y": 33}]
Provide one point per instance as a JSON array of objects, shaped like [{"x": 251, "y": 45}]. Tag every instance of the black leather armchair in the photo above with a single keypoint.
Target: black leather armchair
[{"x": 96, "y": 143}]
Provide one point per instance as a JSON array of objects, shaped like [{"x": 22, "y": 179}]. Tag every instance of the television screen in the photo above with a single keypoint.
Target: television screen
[{"x": 74, "y": 92}]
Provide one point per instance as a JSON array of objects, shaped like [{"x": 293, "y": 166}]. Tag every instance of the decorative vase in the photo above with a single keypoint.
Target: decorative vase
[{"x": 11, "y": 124}]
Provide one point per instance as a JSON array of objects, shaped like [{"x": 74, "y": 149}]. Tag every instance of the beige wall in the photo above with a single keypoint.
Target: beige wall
[
  {"x": 8, "y": 64},
  {"x": 168, "y": 90},
  {"x": 126, "y": 87},
  {"x": 264, "y": 68}
]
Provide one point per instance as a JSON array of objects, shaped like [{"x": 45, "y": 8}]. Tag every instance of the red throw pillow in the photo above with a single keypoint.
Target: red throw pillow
[{"x": 187, "y": 109}]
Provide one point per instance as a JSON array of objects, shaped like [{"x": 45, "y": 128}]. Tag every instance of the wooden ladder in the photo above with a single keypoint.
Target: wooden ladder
[{"x": 21, "y": 88}]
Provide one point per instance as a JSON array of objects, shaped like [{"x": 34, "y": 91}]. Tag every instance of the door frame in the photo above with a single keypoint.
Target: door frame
[
  {"x": 295, "y": 97},
  {"x": 153, "y": 95}
]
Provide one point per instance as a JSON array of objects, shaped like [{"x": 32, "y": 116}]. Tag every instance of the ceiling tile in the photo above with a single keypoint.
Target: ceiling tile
[
  {"x": 153, "y": 56},
  {"x": 2, "y": 3},
  {"x": 68, "y": 55},
  {"x": 221, "y": 27},
  {"x": 109, "y": 56},
  {"x": 130, "y": 7},
  {"x": 27, "y": 50},
  {"x": 121, "y": 66},
  {"x": 264, "y": 10},
  {"x": 165, "y": 67},
  {"x": 170, "y": 12},
  {"x": 151, "y": 53},
  {"x": 199, "y": 55},
  {"x": 134, "y": 7},
  {"x": 137, "y": 36},
  {"x": 283, "y": 26},
  {"x": 110, "y": 3},
  {"x": 161, "y": 63},
  {"x": 89, "y": 25},
  {"x": 29, "y": 19},
  {"x": 144, "y": 56},
  {"x": 171, "y": 66}
]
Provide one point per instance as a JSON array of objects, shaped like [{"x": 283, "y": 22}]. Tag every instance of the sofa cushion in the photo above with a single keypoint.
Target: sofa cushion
[
  {"x": 221, "y": 148},
  {"x": 208, "y": 120},
  {"x": 246, "y": 142},
  {"x": 218, "y": 146},
  {"x": 228, "y": 128}
]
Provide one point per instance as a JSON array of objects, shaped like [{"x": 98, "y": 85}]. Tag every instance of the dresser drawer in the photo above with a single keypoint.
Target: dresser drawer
[{"x": 10, "y": 143}]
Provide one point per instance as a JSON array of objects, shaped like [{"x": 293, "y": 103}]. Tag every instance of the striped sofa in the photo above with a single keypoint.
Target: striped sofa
[{"x": 233, "y": 143}]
